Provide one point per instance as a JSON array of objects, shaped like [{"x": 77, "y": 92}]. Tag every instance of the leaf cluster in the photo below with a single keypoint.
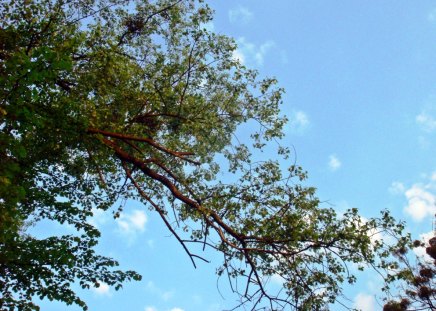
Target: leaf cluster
[
  {"x": 107, "y": 100},
  {"x": 418, "y": 289}
]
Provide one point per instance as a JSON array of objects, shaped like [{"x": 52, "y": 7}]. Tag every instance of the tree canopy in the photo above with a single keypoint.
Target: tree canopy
[
  {"x": 110, "y": 99},
  {"x": 418, "y": 289}
]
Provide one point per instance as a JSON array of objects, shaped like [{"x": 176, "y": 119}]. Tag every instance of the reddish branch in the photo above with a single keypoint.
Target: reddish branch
[
  {"x": 211, "y": 218},
  {"x": 238, "y": 241},
  {"x": 126, "y": 157},
  {"x": 161, "y": 213},
  {"x": 151, "y": 142}
]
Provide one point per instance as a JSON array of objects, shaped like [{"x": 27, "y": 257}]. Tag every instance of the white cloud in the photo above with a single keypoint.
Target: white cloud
[
  {"x": 237, "y": 55},
  {"x": 420, "y": 251},
  {"x": 421, "y": 197},
  {"x": 373, "y": 233},
  {"x": 426, "y": 121},
  {"x": 334, "y": 163},
  {"x": 364, "y": 302},
  {"x": 421, "y": 203},
  {"x": 164, "y": 295},
  {"x": 102, "y": 290},
  {"x": 240, "y": 15},
  {"x": 99, "y": 217},
  {"x": 397, "y": 188},
  {"x": 177, "y": 309},
  {"x": 261, "y": 52},
  {"x": 132, "y": 223},
  {"x": 298, "y": 122},
  {"x": 249, "y": 53}
]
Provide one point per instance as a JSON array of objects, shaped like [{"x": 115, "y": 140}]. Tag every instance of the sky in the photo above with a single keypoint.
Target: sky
[{"x": 361, "y": 98}]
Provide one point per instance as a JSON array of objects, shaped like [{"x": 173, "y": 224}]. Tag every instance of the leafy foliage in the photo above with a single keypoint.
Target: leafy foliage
[
  {"x": 101, "y": 100},
  {"x": 44, "y": 169},
  {"x": 418, "y": 289}
]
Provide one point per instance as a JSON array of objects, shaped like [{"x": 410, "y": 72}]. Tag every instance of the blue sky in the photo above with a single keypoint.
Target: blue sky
[{"x": 361, "y": 98}]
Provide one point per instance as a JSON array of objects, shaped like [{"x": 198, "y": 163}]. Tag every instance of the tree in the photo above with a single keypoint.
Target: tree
[
  {"x": 43, "y": 175},
  {"x": 418, "y": 289},
  {"x": 101, "y": 100}
]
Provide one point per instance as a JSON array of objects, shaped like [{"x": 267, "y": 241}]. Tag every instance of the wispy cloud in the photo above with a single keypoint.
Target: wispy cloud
[
  {"x": 132, "y": 223},
  {"x": 162, "y": 294},
  {"x": 364, "y": 302},
  {"x": 249, "y": 53},
  {"x": 298, "y": 122},
  {"x": 241, "y": 15},
  {"x": 177, "y": 309},
  {"x": 426, "y": 121},
  {"x": 334, "y": 163},
  {"x": 263, "y": 49},
  {"x": 99, "y": 217},
  {"x": 102, "y": 290},
  {"x": 397, "y": 188}
]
